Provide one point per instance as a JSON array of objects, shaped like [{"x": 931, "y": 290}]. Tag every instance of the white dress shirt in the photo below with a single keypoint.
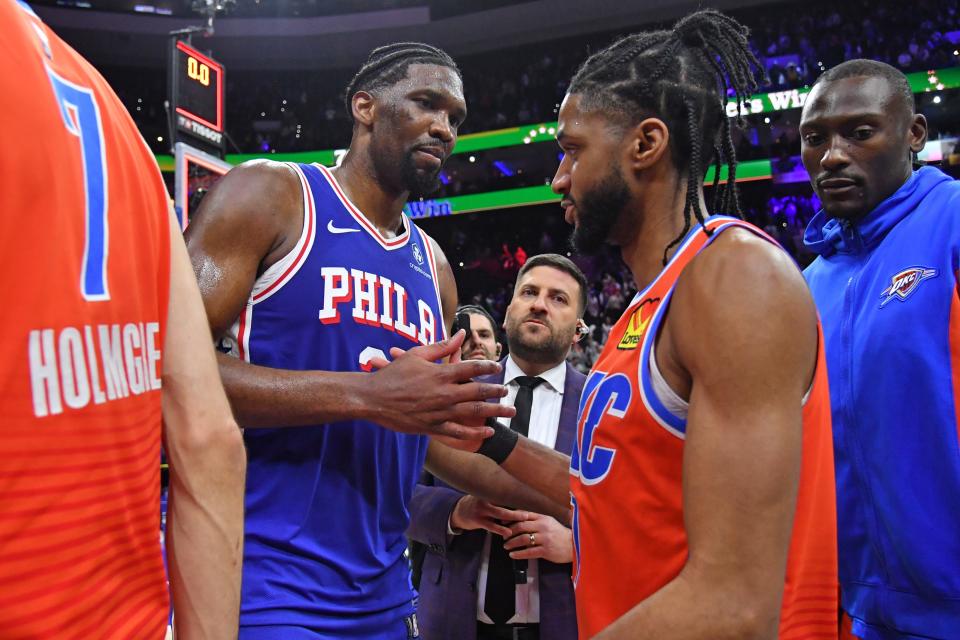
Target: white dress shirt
[{"x": 544, "y": 421}]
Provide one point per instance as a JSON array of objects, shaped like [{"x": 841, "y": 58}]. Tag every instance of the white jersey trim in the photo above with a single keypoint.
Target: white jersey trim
[
  {"x": 436, "y": 276},
  {"x": 651, "y": 338},
  {"x": 390, "y": 244},
  {"x": 281, "y": 272}
]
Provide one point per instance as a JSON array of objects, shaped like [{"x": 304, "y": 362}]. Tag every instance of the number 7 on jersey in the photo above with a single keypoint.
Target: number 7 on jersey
[{"x": 82, "y": 118}]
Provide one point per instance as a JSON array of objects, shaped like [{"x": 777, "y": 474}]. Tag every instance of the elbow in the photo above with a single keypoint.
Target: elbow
[
  {"x": 226, "y": 442},
  {"x": 215, "y": 445},
  {"x": 748, "y": 620},
  {"x": 755, "y": 623}
]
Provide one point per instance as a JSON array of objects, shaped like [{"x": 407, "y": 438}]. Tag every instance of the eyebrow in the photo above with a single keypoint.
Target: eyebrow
[
  {"x": 550, "y": 290},
  {"x": 843, "y": 117},
  {"x": 433, "y": 94}
]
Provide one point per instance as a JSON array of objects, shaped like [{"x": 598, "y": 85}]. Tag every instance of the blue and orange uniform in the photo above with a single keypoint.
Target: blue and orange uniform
[
  {"x": 326, "y": 505},
  {"x": 85, "y": 240},
  {"x": 886, "y": 288},
  {"x": 627, "y": 477}
]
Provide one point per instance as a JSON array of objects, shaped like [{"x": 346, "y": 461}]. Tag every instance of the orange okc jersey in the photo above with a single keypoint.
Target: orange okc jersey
[
  {"x": 627, "y": 470},
  {"x": 85, "y": 244}
]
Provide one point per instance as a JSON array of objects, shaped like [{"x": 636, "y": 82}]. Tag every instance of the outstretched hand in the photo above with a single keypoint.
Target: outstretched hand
[{"x": 415, "y": 394}]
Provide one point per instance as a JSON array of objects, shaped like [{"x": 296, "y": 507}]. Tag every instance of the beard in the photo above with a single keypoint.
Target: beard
[
  {"x": 418, "y": 182},
  {"x": 597, "y": 212},
  {"x": 546, "y": 349}
]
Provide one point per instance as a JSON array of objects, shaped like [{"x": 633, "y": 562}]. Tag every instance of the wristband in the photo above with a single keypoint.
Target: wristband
[{"x": 501, "y": 444}]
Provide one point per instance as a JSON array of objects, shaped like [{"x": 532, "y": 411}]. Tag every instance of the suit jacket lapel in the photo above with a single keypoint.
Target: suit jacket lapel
[{"x": 567, "y": 427}]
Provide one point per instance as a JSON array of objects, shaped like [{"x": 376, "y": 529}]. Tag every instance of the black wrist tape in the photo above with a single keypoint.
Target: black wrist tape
[{"x": 500, "y": 445}]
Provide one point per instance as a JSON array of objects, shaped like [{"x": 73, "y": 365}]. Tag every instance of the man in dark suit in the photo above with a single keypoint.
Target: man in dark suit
[{"x": 491, "y": 572}]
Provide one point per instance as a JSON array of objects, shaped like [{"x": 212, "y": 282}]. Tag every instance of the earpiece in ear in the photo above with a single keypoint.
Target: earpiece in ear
[{"x": 582, "y": 328}]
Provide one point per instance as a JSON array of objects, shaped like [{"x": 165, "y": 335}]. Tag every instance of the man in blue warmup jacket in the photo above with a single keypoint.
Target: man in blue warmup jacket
[{"x": 885, "y": 282}]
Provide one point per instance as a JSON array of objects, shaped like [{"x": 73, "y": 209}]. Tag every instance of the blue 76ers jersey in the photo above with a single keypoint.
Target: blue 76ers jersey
[{"x": 326, "y": 505}]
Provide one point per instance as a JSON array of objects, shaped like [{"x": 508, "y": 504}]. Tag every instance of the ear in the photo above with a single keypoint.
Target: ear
[
  {"x": 917, "y": 135},
  {"x": 581, "y": 331},
  {"x": 649, "y": 141},
  {"x": 499, "y": 349},
  {"x": 363, "y": 106}
]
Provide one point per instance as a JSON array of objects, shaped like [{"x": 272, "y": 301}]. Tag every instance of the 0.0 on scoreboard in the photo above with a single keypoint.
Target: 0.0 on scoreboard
[{"x": 197, "y": 94}]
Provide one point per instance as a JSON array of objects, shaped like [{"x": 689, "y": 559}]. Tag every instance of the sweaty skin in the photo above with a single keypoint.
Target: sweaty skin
[
  {"x": 740, "y": 427},
  {"x": 253, "y": 217}
]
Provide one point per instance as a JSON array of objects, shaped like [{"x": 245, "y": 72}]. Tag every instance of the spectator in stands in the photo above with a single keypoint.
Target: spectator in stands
[{"x": 481, "y": 342}]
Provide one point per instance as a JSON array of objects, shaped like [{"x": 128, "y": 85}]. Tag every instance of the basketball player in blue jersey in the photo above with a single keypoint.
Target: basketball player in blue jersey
[{"x": 308, "y": 276}]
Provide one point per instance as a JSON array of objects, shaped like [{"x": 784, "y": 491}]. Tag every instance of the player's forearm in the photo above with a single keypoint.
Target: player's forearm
[
  {"x": 692, "y": 608},
  {"x": 265, "y": 397},
  {"x": 543, "y": 469},
  {"x": 481, "y": 477},
  {"x": 205, "y": 532}
]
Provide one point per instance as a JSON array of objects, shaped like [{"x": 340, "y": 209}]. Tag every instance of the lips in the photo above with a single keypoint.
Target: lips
[
  {"x": 436, "y": 152},
  {"x": 835, "y": 185},
  {"x": 568, "y": 210}
]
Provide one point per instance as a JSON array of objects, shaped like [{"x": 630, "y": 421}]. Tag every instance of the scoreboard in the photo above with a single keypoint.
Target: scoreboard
[{"x": 197, "y": 96}]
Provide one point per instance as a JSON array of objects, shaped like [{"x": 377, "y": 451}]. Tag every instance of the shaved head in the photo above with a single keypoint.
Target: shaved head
[{"x": 861, "y": 68}]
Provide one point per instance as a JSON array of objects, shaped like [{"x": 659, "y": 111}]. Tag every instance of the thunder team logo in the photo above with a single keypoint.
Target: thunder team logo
[{"x": 903, "y": 284}]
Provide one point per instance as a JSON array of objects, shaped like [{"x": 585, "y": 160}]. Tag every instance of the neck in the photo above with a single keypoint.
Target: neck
[
  {"x": 655, "y": 224},
  {"x": 357, "y": 177},
  {"x": 530, "y": 368}
]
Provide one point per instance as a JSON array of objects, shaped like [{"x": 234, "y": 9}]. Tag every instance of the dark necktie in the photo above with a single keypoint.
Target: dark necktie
[{"x": 503, "y": 573}]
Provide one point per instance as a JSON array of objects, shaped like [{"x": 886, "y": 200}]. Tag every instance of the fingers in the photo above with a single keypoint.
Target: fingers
[
  {"x": 528, "y": 553},
  {"x": 495, "y": 527},
  {"x": 477, "y": 412},
  {"x": 501, "y": 513},
  {"x": 526, "y": 526},
  {"x": 460, "y": 431},
  {"x": 467, "y": 370},
  {"x": 460, "y": 436},
  {"x": 396, "y": 352},
  {"x": 521, "y": 541},
  {"x": 377, "y": 362},
  {"x": 457, "y": 357},
  {"x": 440, "y": 350}
]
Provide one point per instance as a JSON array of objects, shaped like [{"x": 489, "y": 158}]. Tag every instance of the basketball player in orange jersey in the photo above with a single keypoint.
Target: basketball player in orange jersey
[
  {"x": 702, "y": 475},
  {"x": 103, "y": 336}
]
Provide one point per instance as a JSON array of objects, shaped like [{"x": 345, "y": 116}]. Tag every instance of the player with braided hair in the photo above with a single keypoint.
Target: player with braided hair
[
  {"x": 308, "y": 275},
  {"x": 702, "y": 475}
]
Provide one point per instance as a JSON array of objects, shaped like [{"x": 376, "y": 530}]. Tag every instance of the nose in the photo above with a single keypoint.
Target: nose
[
  {"x": 835, "y": 155},
  {"x": 561, "y": 179},
  {"x": 441, "y": 128},
  {"x": 539, "y": 304}
]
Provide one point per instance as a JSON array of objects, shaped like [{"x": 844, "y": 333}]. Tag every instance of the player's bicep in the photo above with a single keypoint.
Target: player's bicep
[
  {"x": 243, "y": 218},
  {"x": 750, "y": 348},
  {"x": 193, "y": 396}
]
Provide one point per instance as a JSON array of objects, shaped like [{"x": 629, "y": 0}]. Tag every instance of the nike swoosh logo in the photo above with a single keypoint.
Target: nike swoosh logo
[{"x": 333, "y": 229}]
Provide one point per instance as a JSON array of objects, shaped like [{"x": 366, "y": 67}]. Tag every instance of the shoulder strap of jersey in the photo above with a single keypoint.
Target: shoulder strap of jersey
[
  {"x": 696, "y": 242},
  {"x": 418, "y": 236}
]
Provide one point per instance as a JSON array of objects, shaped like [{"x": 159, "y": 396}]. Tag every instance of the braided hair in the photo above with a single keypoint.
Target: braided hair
[
  {"x": 681, "y": 75},
  {"x": 387, "y": 65}
]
